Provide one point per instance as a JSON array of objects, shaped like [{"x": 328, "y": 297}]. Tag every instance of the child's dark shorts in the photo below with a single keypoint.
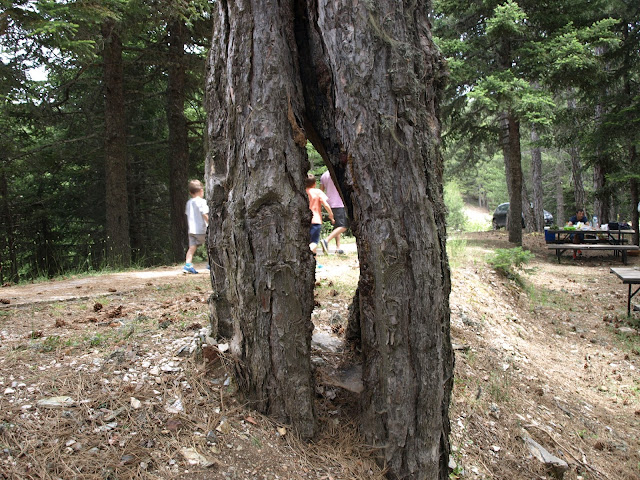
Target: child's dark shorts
[{"x": 314, "y": 232}]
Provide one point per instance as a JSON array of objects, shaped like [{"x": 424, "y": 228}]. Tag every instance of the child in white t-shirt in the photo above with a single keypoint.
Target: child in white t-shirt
[{"x": 197, "y": 212}]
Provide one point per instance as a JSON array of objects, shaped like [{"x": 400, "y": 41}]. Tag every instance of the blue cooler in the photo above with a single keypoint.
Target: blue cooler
[{"x": 549, "y": 237}]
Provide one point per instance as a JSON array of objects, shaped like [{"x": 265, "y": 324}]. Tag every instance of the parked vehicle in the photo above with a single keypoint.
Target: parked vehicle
[{"x": 500, "y": 217}]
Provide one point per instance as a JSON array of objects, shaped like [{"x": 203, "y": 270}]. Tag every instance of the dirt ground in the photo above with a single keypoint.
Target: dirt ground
[{"x": 103, "y": 377}]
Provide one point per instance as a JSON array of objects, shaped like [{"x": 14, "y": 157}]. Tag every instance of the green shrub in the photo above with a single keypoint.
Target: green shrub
[
  {"x": 507, "y": 260},
  {"x": 455, "y": 218},
  {"x": 456, "y": 250}
]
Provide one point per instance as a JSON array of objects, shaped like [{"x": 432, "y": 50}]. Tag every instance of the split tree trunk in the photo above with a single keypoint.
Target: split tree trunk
[
  {"x": 178, "y": 140},
  {"x": 371, "y": 75},
  {"x": 117, "y": 211}
]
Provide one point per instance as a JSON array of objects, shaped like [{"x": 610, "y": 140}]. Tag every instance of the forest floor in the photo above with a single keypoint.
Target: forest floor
[{"x": 100, "y": 377}]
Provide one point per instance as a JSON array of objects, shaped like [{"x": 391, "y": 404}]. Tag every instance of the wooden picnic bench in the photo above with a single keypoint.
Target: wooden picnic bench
[
  {"x": 629, "y": 276},
  {"x": 560, "y": 248}
]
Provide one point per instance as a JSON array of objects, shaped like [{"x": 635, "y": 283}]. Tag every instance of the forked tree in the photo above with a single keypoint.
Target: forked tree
[{"x": 360, "y": 81}]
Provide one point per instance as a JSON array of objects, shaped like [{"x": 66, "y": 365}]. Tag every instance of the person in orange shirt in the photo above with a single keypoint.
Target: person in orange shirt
[{"x": 317, "y": 200}]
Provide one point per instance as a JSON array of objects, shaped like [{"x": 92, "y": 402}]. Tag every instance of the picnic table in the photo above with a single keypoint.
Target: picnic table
[
  {"x": 629, "y": 276},
  {"x": 592, "y": 239}
]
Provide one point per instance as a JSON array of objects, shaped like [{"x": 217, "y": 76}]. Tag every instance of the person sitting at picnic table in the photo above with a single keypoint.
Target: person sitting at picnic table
[{"x": 579, "y": 217}]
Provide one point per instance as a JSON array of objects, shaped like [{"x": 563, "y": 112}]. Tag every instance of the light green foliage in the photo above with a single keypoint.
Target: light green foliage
[
  {"x": 317, "y": 166},
  {"x": 455, "y": 219},
  {"x": 482, "y": 175},
  {"x": 528, "y": 59},
  {"x": 573, "y": 54},
  {"x": 504, "y": 90},
  {"x": 456, "y": 250},
  {"x": 508, "y": 21},
  {"x": 507, "y": 261}
]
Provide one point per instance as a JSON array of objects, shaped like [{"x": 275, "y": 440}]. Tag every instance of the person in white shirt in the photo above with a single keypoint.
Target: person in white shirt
[{"x": 197, "y": 212}]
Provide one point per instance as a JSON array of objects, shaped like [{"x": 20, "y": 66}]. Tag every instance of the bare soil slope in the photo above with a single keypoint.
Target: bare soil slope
[{"x": 130, "y": 395}]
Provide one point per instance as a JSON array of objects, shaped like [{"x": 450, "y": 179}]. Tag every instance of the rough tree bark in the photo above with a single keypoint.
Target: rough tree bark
[
  {"x": 261, "y": 267},
  {"x": 601, "y": 197},
  {"x": 374, "y": 109},
  {"x": 360, "y": 81},
  {"x": 527, "y": 211},
  {"x": 536, "y": 173},
  {"x": 178, "y": 140},
  {"x": 117, "y": 211},
  {"x": 576, "y": 167},
  {"x": 510, "y": 141},
  {"x": 635, "y": 201},
  {"x": 601, "y": 202},
  {"x": 576, "y": 177},
  {"x": 8, "y": 239},
  {"x": 560, "y": 172}
]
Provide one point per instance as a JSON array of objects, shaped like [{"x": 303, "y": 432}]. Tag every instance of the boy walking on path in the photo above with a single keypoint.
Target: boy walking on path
[
  {"x": 335, "y": 202},
  {"x": 197, "y": 212},
  {"x": 317, "y": 200}
]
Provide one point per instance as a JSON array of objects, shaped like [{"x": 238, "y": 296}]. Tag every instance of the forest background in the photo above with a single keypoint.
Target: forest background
[{"x": 102, "y": 121}]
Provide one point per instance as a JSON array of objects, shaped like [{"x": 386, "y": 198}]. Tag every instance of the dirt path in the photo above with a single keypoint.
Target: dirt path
[{"x": 83, "y": 287}]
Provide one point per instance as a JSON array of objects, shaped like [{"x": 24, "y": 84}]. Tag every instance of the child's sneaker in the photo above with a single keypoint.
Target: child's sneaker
[{"x": 189, "y": 269}]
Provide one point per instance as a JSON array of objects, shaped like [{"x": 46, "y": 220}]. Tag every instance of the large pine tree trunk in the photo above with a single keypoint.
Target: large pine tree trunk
[
  {"x": 601, "y": 200},
  {"x": 8, "y": 238},
  {"x": 635, "y": 203},
  {"x": 261, "y": 266},
  {"x": 370, "y": 77},
  {"x": 117, "y": 211},
  {"x": 576, "y": 167},
  {"x": 633, "y": 191},
  {"x": 576, "y": 176},
  {"x": 536, "y": 173},
  {"x": 178, "y": 140},
  {"x": 560, "y": 172},
  {"x": 374, "y": 107},
  {"x": 601, "y": 203},
  {"x": 510, "y": 141}
]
